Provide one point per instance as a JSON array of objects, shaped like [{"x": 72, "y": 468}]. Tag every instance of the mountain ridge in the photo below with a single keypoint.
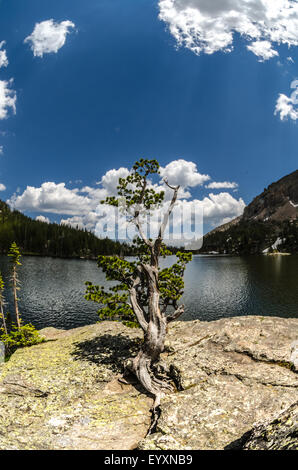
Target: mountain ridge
[
  {"x": 271, "y": 216},
  {"x": 278, "y": 202}
]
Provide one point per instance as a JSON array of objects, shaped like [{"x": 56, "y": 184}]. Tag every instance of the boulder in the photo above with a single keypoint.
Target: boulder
[
  {"x": 233, "y": 373},
  {"x": 279, "y": 434},
  {"x": 64, "y": 393},
  {"x": 230, "y": 374}
]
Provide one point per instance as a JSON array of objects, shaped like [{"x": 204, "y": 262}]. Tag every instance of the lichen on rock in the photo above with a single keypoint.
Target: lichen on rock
[
  {"x": 279, "y": 434},
  {"x": 234, "y": 372},
  {"x": 60, "y": 394},
  {"x": 230, "y": 374}
]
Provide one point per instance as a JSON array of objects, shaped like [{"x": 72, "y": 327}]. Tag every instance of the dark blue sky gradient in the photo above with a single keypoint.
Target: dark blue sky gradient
[{"x": 119, "y": 90}]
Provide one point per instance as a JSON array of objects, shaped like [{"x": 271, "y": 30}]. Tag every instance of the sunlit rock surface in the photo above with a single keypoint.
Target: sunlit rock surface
[
  {"x": 231, "y": 374},
  {"x": 280, "y": 434},
  {"x": 234, "y": 372},
  {"x": 63, "y": 394}
]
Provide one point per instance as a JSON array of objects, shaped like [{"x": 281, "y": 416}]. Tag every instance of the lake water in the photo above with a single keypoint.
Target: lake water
[{"x": 52, "y": 290}]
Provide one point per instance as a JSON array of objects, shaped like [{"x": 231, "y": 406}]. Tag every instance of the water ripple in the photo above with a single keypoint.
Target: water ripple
[{"x": 53, "y": 290}]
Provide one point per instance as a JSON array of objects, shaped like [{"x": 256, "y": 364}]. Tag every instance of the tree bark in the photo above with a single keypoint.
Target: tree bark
[
  {"x": 3, "y": 318},
  {"x": 15, "y": 297},
  {"x": 152, "y": 347},
  {"x": 155, "y": 329},
  {"x": 154, "y": 340}
]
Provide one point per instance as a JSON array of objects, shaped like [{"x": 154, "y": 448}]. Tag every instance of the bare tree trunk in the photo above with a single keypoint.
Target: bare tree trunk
[
  {"x": 15, "y": 296},
  {"x": 149, "y": 354},
  {"x": 154, "y": 340},
  {"x": 155, "y": 327},
  {"x": 3, "y": 318}
]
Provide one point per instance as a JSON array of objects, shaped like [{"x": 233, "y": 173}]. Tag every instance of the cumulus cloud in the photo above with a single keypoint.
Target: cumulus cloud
[
  {"x": 56, "y": 198},
  {"x": 263, "y": 49},
  {"x": 83, "y": 207},
  {"x": 1, "y": 149},
  {"x": 183, "y": 173},
  {"x": 48, "y": 36},
  {"x": 52, "y": 198},
  {"x": 111, "y": 179},
  {"x": 42, "y": 218},
  {"x": 2, "y": 187},
  {"x": 97, "y": 193},
  {"x": 223, "y": 185},
  {"x": 285, "y": 108},
  {"x": 87, "y": 221},
  {"x": 186, "y": 222},
  {"x": 8, "y": 98},
  {"x": 209, "y": 26},
  {"x": 220, "y": 206},
  {"x": 3, "y": 55}
]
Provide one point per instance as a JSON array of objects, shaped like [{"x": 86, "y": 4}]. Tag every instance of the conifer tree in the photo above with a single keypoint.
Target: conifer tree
[
  {"x": 145, "y": 292},
  {"x": 15, "y": 255},
  {"x": 2, "y": 303}
]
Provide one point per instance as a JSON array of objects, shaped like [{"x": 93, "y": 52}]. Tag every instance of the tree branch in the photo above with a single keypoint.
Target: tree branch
[
  {"x": 137, "y": 223},
  {"x": 139, "y": 312},
  {"x": 164, "y": 223},
  {"x": 176, "y": 314},
  {"x": 136, "y": 218}
]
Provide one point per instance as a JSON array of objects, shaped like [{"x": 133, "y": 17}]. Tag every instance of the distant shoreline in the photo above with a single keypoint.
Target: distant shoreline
[
  {"x": 209, "y": 255},
  {"x": 38, "y": 255}
]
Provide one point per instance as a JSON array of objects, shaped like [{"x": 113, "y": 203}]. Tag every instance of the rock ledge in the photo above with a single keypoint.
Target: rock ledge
[{"x": 234, "y": 373}]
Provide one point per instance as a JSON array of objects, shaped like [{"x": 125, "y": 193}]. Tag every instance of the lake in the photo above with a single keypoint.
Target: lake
[{"x": 52, "y": 290}]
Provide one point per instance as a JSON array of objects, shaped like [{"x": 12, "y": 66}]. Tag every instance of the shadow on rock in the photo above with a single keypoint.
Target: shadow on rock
[
  {"x": 109, "y": 350},
  {"x": 238, "y": 444}
]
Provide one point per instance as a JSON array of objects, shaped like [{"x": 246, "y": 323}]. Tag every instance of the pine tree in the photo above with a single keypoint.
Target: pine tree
[
  {"x": 144, "y": 291},
  {"x": 2, "y": 303},
  {"x": 14, "y": 254}
]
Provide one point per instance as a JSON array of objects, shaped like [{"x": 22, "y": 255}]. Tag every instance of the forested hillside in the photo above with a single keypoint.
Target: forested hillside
[
  {"x": 248, "y": 237},
  {"x": 34, "y": 237}
]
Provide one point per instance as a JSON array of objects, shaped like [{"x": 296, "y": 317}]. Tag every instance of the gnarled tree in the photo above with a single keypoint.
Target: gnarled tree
[{"x": 146, "y": 294}]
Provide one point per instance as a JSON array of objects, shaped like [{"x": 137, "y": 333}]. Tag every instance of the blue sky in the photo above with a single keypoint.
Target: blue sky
[{"x": 120, "y": 89}]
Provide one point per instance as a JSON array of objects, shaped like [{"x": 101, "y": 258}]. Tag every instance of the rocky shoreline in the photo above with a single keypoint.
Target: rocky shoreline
[{"x": 236, "y": 378}]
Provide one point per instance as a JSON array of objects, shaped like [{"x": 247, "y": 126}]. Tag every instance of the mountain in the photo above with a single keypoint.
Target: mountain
[
  {"x": 40, "y": 238},
  {"x": 279, "y": 202},
  {"x": 269, "y": 222}
]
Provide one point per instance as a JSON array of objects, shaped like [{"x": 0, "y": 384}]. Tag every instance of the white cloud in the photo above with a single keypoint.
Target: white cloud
[
  {"x": 52, "y": 198},
  {"x": 56, "y": 198},
  {"x": 285, "y": 108},
  {"x": 87, "y": 221},
  {"x": 226, "y": 220},
  {"x": 1, "y": 149},
  {"x": 210, "y": 25},
  {"x": 214, "y": 210},
  {"x": 8, "y": 98},
  {"x": 3, "y": 55},
  {"x": 223, "y": 185},
  {"x": 42, "y": 218},
  {"x": 111, "y": 179},
  {"x": 262, "y": 49},
  {"x": 220, "y": 206},
  {"x": 95, "y": 193},
  {"x": 48, "y": 36},
  {"x": 84, "y": 209},
  {"x": 183, "y": 173},
  {"x": 2, "y": 187}
]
